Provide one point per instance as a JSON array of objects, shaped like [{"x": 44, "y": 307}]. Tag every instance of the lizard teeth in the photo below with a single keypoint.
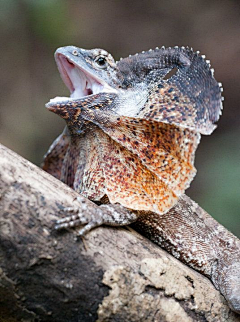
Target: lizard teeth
[{"x": 58, "y": 99}]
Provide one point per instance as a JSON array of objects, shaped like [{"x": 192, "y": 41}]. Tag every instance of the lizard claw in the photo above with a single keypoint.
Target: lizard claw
[
  {"x": 70, "y": 221},
  {"x": 112, "y": 215},
  {"x": 78, "y": 219}
]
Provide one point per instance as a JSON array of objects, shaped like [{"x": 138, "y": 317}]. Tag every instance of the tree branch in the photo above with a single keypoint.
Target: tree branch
[{"x": 113, "y": 274}]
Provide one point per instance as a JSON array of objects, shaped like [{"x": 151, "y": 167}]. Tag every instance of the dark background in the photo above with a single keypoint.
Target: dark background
[{"x": 31, "y": 30}]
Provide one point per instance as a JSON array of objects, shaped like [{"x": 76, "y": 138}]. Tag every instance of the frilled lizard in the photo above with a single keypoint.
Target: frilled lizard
[{"x": 133, "y": 127}]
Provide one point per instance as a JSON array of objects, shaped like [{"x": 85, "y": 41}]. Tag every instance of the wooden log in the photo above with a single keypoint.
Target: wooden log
[{"x": 113, "y": 274}]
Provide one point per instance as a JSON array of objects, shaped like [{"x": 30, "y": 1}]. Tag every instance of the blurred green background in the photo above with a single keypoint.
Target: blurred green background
[{"x": 31, "y": 30}]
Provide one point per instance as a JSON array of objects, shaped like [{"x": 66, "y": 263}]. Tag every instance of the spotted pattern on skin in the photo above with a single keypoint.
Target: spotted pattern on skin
[
  {"x": 144, "y": 151},
  {"x": 89, "y": 179},
  {"x": 53, "y": 159},
  {"x": 104, "y": 167},
  {"x": 166, "y": 150},
  {"x": 166, "y": 104},
  {"x": 113, "y": 170}
]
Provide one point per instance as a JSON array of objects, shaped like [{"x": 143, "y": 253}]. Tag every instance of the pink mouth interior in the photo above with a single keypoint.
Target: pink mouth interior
[{"x": 80, "y": 82}]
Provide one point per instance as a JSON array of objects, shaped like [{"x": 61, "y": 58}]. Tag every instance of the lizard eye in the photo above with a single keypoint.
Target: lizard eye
[
  {"x": 75, "y": 52},
  {"x": 101, "y": 62}
]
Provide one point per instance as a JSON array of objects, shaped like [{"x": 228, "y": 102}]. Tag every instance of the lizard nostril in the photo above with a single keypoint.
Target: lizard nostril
[{"x": 75, "y": 52}]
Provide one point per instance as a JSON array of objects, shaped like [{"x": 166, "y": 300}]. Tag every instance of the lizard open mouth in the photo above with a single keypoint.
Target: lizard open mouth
[{"x": 79, "y": 81}]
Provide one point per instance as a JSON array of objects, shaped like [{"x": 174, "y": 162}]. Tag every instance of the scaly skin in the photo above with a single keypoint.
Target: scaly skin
[{"x": 133, "y": 145}]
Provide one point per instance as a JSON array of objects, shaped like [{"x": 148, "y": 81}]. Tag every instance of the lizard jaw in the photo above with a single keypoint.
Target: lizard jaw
[{"x": 79, "y": 81}]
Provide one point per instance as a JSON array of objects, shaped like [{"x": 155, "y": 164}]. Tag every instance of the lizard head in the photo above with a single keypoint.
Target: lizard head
[{"x": 86, "y": 72}]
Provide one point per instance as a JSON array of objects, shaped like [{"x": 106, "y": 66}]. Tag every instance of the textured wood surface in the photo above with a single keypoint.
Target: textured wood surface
[{"x": 113, "y": 274}]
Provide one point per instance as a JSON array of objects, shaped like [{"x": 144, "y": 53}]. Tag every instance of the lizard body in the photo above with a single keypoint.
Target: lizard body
[
  {"x": 134, "y": 137},
  {"x": 131, "y": 136}
]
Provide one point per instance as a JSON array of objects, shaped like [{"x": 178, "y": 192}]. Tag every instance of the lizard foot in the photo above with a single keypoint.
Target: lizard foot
[{"x": 111, "y": 215}]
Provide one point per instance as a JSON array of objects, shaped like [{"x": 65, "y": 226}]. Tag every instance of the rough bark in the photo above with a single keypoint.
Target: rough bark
[{"x": 113, "y": 274}]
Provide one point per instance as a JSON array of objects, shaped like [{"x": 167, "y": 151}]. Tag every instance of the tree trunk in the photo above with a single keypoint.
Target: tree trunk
[{"x": 113, "y": 274}]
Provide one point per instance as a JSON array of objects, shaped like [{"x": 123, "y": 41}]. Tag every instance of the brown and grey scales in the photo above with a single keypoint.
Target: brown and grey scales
[{"x": 133, "y": 145}]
